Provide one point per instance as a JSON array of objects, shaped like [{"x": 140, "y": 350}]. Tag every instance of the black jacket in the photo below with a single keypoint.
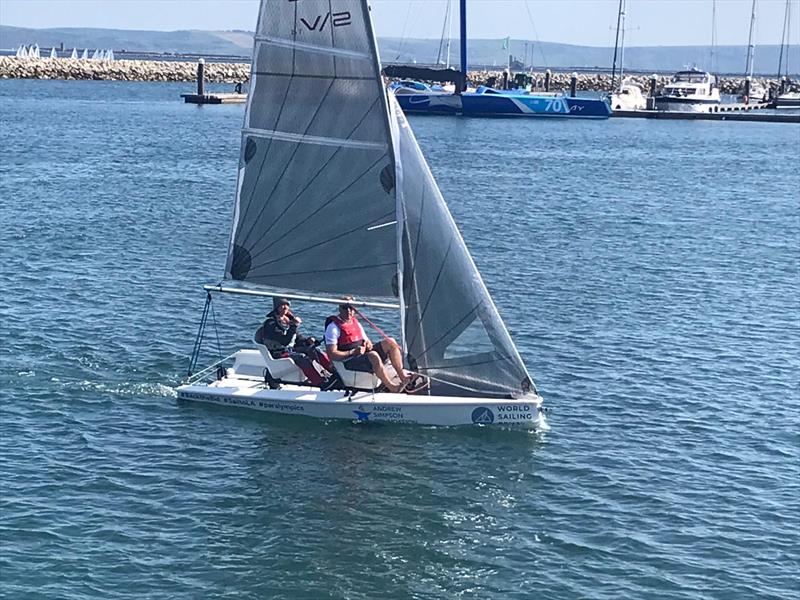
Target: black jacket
[{"x": 275, "y": 336}]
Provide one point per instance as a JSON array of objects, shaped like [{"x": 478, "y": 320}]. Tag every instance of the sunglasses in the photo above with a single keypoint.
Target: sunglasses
[{"x": 347, "y": 307}]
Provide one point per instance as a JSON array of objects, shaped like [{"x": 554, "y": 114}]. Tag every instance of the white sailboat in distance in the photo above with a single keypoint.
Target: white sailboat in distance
[{"x": 334, "y": 198}]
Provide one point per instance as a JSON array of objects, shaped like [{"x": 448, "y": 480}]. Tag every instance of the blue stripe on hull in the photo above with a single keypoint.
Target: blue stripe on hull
[{"x": 504, "y": 105}]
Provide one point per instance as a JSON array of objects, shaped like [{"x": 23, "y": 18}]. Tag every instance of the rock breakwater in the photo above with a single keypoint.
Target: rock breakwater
[
  {"x": 597, "y": 82},
  {"x": 119, "y": 70},
  {"x": 148, "y": 70}
]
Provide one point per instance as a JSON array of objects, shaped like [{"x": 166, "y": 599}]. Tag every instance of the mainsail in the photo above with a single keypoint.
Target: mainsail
[
  {"x": 335, "y": 198},
  {"x": 315, "y": 205}
]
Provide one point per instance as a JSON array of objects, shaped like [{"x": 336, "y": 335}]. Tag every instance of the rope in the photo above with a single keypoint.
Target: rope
[
  {"x": 216, "y": 331},
  {"x": 199, "y": 338},
  {"x": 371, "y": 324}
]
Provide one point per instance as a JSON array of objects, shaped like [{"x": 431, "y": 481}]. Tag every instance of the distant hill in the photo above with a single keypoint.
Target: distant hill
[
  {"x": 728, "y": 60},
  {"x": 179, "y": 42}
]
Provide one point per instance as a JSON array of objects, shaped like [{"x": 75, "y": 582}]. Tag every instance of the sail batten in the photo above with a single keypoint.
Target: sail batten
[
  {"x": 285, "y": 43},
  {"x": 313, "y": 139}
]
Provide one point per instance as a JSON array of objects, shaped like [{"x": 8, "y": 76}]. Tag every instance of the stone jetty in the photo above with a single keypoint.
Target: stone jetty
[
  {"x": 119, "y": 70},
  {"x": 597, "y": 82},
  {"x": 148, "y": 70}
]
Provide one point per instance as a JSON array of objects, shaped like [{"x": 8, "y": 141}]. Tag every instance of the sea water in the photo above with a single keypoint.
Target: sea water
[{"x": 648, "y": 271}]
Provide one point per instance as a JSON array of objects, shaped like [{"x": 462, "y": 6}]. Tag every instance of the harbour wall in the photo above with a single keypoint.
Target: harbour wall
[{"x": 218, "y": 72}]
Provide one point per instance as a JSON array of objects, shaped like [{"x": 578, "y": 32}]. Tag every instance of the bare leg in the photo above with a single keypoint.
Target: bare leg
[
  {"x": 392, "y": 350},
  {"x": 380, "y": 372}
]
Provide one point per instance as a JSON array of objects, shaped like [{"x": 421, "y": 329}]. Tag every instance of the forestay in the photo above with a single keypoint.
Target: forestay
[
  {"x": 453, "y": 331},
  {"x": 315, "y": 202}
]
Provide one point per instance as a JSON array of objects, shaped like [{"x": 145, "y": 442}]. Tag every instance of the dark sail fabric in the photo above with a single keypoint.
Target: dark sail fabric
[
  {"x": 315, "y": 205},
  {"x": 453, "y": 332}
]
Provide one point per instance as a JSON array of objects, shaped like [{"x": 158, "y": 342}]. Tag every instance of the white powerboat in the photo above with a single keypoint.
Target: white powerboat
[
  {"x": 629, "y": 96},
  {"x": 334, "y": 198},
  {"x": 787, "y": 100},
  {"x": 689, "y": 91}
]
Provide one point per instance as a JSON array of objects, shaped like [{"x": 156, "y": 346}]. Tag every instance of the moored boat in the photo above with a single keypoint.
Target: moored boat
[
  {"x": 787, "y": 100},
  {"x": 629, "y": 96},
  {"x": 485, "y": 101},
  {"x": 691, "y": 90}
]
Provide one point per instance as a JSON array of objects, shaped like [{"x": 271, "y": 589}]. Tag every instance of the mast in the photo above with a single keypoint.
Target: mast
[
  {"x": 751, "y": 49},
  {"x": 713, "y": 35},
  {"x": 463, "y": 26},
  {"x": 620, "y": 27},
  {"x": 442, "y": 40},
  {"x": 787, "y": 18},
  {"x": 622, "y": 46},
  {"x": 449, "y": 30}
]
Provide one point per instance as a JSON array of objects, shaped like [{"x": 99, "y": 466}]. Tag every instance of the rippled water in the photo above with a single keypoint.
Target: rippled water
[{"x": 648, "y": 271}]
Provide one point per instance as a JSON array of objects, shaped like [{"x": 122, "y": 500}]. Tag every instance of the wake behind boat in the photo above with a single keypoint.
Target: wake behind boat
[{"x": 334, "y": 198}]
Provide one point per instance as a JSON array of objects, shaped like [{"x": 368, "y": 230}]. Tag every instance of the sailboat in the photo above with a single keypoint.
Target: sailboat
[
  {"x": 753, "y": 91},
  {"x": 628, "y": 96},
  {"x": 415, "y": 97},
  {"x": 786, "y": 98},
  {"x": 334, "y": 198}
]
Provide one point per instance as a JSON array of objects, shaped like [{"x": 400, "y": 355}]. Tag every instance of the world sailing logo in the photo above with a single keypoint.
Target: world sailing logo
[{"x": 482, "y": 415}]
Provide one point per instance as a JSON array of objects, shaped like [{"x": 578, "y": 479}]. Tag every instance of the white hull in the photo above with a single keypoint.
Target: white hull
[
  {"x": 624, "y": 102},
  {"x": 628, "y": 97},
  {"x": 788, "y": 100},
  {"x": 368, "y": 406},
  {"x": 685, "y": 105}
]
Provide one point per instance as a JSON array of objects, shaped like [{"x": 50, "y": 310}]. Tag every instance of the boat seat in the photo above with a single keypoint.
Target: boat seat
[
  {"x": 361, "y": 380},
  {"x": 283, "y": 369}
]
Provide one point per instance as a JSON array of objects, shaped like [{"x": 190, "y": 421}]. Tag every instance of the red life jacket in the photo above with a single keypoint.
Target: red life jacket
[{"x": 349, "y": 333}]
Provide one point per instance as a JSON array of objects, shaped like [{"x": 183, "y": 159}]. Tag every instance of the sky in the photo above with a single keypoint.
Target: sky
[{"x": 584, "y": 22}]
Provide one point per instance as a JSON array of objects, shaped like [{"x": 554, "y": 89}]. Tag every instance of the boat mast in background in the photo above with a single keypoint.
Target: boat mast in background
[
  {"x": 713, "y": 55},
  {"x": 449, "y": 30},
  {"x": 619, "y": 45},
  {"x": 751, "y": 48},
  {"x": 462, "y": 6},
  {"x": 785, "y": 39},
  {"x": 446, "y": 25}
]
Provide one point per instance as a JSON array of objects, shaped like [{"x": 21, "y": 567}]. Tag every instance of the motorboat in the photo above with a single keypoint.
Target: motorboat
[
  {"x": 787, "y": 100},
  {"x": 691, "y": 90},
  {"x": 629, "y": 96}
]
